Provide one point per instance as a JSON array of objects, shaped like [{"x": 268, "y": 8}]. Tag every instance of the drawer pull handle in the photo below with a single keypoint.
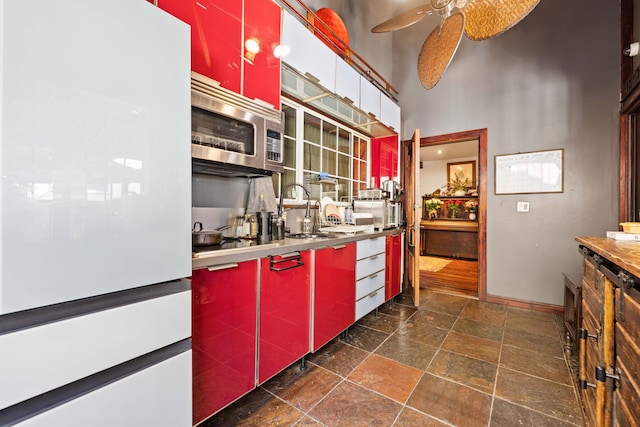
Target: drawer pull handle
[
  {"x": 339, "y": 247},
  {"x": 584, "y": 384},
  {"x": 222, "y": 266},
  {"x": 373, "y": 257},
  {"x": 373, "y": 294},
  {"x": 373, "y": 276},
  {"x": 274, "y": 263},
  {"x": 584, "y": 334}
]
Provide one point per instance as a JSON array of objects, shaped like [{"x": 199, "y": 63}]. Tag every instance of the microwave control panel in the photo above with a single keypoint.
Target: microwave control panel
[{"x": 274, "y": 146}]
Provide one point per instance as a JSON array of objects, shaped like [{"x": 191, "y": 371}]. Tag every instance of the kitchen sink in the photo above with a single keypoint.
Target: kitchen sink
[{"x": 311, "y": 236}]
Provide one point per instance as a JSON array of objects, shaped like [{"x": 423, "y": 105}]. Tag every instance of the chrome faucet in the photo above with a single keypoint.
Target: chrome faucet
[{"x": 307, "y": 215}]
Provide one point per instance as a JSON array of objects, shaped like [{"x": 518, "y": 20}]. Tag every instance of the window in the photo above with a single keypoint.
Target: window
[{"x": 313, "y": 144}]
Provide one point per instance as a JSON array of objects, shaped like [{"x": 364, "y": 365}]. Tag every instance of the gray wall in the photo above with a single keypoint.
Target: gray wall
[{"x": 550, "y": 82}]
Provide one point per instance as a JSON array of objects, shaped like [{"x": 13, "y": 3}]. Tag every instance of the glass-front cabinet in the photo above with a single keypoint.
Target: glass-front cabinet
[{"x": 316, "y": 146}]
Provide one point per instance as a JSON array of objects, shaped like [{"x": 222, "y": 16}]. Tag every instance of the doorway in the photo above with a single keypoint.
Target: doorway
[{"x": 454, "y": 246}]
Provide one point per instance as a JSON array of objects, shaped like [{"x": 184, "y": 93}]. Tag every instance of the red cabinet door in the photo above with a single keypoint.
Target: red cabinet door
[
  {"x": 393, "y": 266},
  {"x": 223, "y": 336},
  {"x": 334, "y": 292},
  {"x": 384, "y": 159},
  {"x": 216, "y": 37},
  {"x": 284, "y": 312},
  {"x": 262, "y": 23}
]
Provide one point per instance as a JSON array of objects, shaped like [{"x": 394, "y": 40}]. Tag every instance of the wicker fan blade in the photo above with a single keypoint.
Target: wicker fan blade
[
  {"x": 438, "y": 49},
  {"x": 404, "y": 20},
  {"x": 490, "y": 18}
]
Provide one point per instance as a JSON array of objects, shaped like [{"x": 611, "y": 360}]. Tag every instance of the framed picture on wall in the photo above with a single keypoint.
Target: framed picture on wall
[{"x": 462, "y": 170}]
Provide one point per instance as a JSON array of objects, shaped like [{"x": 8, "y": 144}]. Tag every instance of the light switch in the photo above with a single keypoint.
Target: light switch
[{"x": 522, "y": 207}]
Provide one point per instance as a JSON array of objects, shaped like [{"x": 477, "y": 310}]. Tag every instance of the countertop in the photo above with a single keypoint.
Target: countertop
[
  {"x": 625, "y": 254},
  {"x": 281, "y": 247}
]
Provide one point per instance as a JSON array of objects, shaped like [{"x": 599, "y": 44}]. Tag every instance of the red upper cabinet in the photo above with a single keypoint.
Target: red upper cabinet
[
  {"x": 384, "y": 159},
  {"x": 223, "y": 34},
  {"x": 216, "y": 33},
  {"x": 262, "y": 22}
]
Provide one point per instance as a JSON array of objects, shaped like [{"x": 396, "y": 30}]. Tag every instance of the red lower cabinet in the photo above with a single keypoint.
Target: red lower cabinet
[
  {"x": 224, "y": 335},
  {"x": 334, "y": 292},
  {"x": 284, "y": 312},
  {"x": 393, "y": 266}
]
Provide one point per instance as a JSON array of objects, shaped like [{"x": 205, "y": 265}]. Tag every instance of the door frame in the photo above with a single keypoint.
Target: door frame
[{"x": 481, "y": 136}]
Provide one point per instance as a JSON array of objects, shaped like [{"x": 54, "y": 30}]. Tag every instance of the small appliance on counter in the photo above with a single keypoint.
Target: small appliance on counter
[{"x": 376, "y": 201}]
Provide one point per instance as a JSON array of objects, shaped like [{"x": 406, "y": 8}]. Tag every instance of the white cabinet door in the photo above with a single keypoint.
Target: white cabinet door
[
  {"x": 369, "y": 97},
  {"x": 347, "y": 81},
  {"x": 303, "y": 51},
  {"x": 94, "y": 106},
  {"x": 390, "y": 113},
  {"x": 158, "y": 396}
]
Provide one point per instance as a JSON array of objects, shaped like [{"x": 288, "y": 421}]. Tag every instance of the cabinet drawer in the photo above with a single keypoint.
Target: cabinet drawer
[
  {"x": 369, "y": 302},
  {"x": 369, "y": 284},
  {"x": 631, "y": 308},
  {"x": 123, "y": 410},
  {"x": 628, "y": 394},
  {"x": 592, "y": 278},
  {"x": 594, "y": 305},
  {"x": 593, "y": 327},
  {"x": 369, "y": 247},
  {"x": 368, "y": 266}
]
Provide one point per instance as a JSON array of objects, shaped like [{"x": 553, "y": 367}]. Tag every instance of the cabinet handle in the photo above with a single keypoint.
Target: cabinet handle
[
  {"x": 339, "y": 247},
  {"x": 290, "y": 257},
  {"x": 222, "y": 266},
  {"x": 373, "y": 276},
  {"x": 373, "y": 257},
  {"x": 373, "y": 294}
]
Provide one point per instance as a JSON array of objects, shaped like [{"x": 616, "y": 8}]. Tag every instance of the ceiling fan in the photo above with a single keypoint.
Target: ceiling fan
[{"x": 477, "y": 19}]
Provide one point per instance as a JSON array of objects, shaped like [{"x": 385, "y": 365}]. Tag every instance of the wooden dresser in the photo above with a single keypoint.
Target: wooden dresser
[
  {"x": 609, "y": 377},
  {"x": 449, "y": 238}
]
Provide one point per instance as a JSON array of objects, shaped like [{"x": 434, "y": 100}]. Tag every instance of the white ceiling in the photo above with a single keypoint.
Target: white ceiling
[{"x": 452, "y": 150}]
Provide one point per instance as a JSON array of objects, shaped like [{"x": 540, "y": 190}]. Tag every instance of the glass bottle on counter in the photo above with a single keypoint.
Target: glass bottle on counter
[{"x": 306, "y": 225}]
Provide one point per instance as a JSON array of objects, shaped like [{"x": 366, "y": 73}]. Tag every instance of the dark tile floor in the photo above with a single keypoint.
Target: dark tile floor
[{"x": 453, "y": 362}]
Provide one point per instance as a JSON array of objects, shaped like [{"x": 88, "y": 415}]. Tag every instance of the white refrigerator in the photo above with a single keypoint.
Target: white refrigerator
[{"x": 95, "y": 193}]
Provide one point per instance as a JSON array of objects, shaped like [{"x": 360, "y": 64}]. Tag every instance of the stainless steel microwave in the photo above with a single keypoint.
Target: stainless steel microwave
[{"x": 228, "y": 133}]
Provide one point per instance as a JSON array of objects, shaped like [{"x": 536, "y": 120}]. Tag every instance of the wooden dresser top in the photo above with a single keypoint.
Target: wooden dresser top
[{"x": 625, "y": 254}]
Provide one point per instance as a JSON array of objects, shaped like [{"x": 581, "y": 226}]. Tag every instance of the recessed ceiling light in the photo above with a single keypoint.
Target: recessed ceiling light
[{"x": 439, "y": 151}]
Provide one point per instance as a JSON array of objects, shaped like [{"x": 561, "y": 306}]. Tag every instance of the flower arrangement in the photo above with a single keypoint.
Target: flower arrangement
[
  {"x": 471, "y": 205},
  {"x": 433, "y": 204},
  {"x": 459, "y": 183},
  {"x": 453, "y": 206}
]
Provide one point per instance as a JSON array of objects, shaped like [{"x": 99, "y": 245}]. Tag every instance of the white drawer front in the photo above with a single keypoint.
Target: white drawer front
[
  {"x": 368, "y": 266},
  {"x": 369, "y": 284},
  {"x": 157, "y": 396},
  {"x": 36, "y": 360},
  {"x": 366, "y": 248},
  {"x": 369, "y": 303}
]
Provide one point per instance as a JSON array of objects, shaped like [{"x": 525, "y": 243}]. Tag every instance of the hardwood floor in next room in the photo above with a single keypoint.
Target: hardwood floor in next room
[
  {"x": 453, "y": 276},
  {"x": 455, "y": 361}
]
